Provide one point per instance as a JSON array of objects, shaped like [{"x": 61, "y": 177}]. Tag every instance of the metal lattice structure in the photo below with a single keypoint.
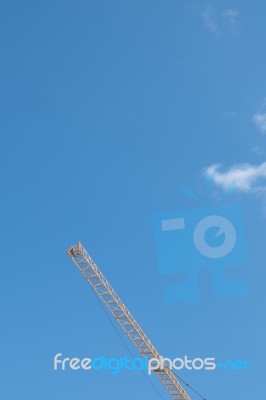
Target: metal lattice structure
[{"x": 106, "y": 293}]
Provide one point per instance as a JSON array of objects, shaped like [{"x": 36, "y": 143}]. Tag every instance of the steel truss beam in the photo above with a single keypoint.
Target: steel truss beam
[{"x": 106, "y": 293}]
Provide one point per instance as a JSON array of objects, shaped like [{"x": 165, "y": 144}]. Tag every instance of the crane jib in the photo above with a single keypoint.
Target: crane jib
[{"x": 106, "y": 293}]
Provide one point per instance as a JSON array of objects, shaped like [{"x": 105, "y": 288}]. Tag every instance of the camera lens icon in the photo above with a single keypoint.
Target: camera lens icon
[{"x": 224, "y": 226}]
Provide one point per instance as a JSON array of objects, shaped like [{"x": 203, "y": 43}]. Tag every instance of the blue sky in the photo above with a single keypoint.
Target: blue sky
[{"x": 107, "y": 109}]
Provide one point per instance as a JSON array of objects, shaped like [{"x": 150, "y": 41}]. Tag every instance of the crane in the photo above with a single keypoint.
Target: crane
[{"x": 106, "y": 293}]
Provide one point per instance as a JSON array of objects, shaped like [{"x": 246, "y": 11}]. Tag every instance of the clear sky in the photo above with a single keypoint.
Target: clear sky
[{"x": 108, "y": 108}]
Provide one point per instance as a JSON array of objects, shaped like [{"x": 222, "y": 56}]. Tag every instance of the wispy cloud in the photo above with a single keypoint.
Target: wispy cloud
[
  {"x": 258, "y": 150},
  {"x": 231, "y": 15},
  {"x": 244, "y": 177},
  {"x": 260, "y": 121},
  {"x": 214, "y": 21},
  {"x": 210, "y": 19},
  {"x": 259, "y": 118}
]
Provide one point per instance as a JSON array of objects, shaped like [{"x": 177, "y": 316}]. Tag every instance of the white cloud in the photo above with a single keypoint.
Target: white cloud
[
  {"x": 244, "y": 177},
  {"x": 210, "y": 20},
  {"x": 231, "y": 15},
  {"x": 260, "y": 121}
]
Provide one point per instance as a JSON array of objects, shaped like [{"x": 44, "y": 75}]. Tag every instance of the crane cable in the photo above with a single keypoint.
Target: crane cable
[
  {"x": 125, "y": 344},
  {"x": 190, "y": 387},
  {"x": 132, "y": 355}
]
